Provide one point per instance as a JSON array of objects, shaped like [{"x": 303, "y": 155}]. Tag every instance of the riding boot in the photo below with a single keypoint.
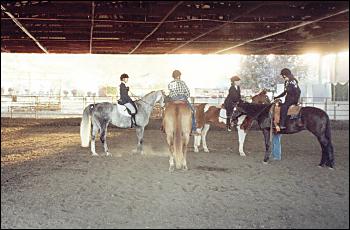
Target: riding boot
[
  {"x": 133, "y": 121},
  {"x": 228, "y": 124}
]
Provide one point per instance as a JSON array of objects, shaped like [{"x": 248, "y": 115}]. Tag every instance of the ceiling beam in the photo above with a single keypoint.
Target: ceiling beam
[
  {"x": 23, "y": 29},
  {"x": 281, "y": 31},
  {"x": 92, "y": 23},
  {"x": 155, "y": 29},
  {"x": 3, "y": 49},
  {"x": 288, "y": 42},
  {"x": 216, "y": 28}
]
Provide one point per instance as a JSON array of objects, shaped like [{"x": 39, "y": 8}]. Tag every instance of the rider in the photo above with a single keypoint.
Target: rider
[
  {"x": 178, "y": 90},
  {"x": 233, "y": 96},
  {"x": 292, "y": 90},
  {"x": 125, "y": 98}
]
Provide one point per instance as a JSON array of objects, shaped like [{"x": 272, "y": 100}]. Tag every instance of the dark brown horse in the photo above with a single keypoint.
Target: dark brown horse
[
  {"x": 177, "y": 121},
  {"x": 312, "y": 119}
]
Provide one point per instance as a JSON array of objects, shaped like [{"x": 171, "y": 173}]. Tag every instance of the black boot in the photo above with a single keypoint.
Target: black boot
[{"x": 133, "y": 121}]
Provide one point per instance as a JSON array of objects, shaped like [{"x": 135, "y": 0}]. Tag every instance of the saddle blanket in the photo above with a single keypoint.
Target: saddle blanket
[
  {"x": 222, "y": 116},
  {"x": 122, "y": 110}
]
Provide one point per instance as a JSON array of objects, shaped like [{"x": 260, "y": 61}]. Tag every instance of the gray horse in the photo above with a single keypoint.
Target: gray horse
[{"x": 101, "y": 114}]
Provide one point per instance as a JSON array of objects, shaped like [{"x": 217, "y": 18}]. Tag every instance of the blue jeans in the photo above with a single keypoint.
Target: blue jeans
[
  {"x": 276, "y": 146},
  {"x": 184, "y": 98}
]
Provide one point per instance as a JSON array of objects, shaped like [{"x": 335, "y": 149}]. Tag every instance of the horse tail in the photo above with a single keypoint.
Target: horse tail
[
  {"x": 178, "y": 139},
  {"x": 85, "y": 126},
  {"x": 328, "y": 129}
]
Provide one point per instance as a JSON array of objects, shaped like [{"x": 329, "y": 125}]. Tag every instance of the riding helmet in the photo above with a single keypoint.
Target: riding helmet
[
  {"x": 235, "y": 78},
  {"x": 124, "y": 75},
  {"x": 286, "y": 72}
]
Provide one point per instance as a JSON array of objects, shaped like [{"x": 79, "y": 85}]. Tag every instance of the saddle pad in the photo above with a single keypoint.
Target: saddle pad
[
  {"x": 123, "y": 111},
  {"x": 179, "y": 102},
  {"x": 222, "y": 116},
  {"x": 294, "y": 110}
]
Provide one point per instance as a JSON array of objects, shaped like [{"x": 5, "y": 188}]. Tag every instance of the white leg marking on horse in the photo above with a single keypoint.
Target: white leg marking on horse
[
  {"x": 196, "y": 143},
  {"x": 204, "y": 137},
  {"x": 171, "y": 162},
  {"x": 241, "y": 138}
]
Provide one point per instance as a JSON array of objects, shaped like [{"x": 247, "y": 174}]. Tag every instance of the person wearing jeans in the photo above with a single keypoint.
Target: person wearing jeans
[{"x": 276, "y": 146}]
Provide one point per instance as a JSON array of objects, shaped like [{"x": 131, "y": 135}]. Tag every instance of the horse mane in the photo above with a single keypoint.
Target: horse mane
[{"x": 252, "y": 109}]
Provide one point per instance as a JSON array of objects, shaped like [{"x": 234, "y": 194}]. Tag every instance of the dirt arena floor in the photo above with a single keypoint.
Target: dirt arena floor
[{"x": 49, "y": 181}]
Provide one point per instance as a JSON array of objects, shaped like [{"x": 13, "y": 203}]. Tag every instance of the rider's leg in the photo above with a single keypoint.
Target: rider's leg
[
  {"x": 193, "y": 116},
  {"x": 228, "y": 119},
  {"x": 284, "y": 111}
]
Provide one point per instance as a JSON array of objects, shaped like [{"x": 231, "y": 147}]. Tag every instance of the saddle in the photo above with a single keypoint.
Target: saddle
[
  {"x": 179, "y": 102},
  {"x": 293, "y": 113}
]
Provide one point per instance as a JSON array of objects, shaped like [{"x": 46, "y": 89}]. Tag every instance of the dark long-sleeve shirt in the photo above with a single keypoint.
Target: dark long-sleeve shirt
[
  {"x": 291, "y": 90},
  {"x": 124, "y": 94},
  {"x": 234, "y": 95}
]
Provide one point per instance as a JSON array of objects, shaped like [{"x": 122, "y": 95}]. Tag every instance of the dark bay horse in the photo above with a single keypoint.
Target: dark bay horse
[
  {"x": 312, "y": 119},
  {"x": 177, "y": 121}
]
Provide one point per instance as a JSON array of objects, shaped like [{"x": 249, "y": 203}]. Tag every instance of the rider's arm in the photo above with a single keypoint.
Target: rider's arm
[
  {"x": 281, "y": 95},
  {"x": 187, "y": 90}
]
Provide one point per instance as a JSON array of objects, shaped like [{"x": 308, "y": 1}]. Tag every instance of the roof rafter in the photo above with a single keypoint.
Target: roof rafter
[
  {"x": 156, "y": 28},
  {"x": 92, "y": 23},
  {"x": 282, "y": 31},
  {"x": 217, "y": 27},
  {"x": 23, "y": 29},
  {"x": 287, "y": 42}
]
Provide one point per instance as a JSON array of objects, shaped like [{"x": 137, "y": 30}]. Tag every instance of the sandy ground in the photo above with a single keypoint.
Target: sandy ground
[{"x": 49, "y": 181}]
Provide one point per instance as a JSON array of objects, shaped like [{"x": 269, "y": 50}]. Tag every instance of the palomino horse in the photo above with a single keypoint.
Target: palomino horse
[
  {"x": 310, "y": 118},
  {"x": 101, "y": 114},
  {"x": 207, "y": 115},
  {"x": 177, "y": 122}
]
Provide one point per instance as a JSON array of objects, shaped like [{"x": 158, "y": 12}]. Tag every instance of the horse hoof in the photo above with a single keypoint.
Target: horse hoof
[
  {"x": 171, "y": 169},
  {"x": 94, "y": 154},
  {"x": 242, "y": 154},
  {"x": 206, "y": 150},
  {"x": 265, "y": 162},
  {"x": 108, "y": 154},
  {"x": 196, "y": 150}
]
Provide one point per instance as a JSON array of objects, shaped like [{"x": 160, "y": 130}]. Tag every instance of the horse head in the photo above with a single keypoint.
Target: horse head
[
  {"x": 237, "y": 112},
  {"x": 162, "y": 98},
  {"x": 261, "y": 98}
]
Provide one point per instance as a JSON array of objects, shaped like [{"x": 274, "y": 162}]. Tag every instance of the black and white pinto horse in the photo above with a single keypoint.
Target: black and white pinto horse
[
  {"x": 101, "y": 114},
  {"x": 312, "y": 119}
]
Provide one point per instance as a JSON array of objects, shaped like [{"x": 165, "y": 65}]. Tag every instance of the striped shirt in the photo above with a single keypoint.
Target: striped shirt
[{"x": 178, "y": 88}]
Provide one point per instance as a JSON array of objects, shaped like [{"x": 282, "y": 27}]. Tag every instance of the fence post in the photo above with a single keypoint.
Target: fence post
[{"x": 84, "y": 102}]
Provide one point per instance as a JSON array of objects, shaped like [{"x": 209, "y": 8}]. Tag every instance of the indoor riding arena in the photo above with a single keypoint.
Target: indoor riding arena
[{"x": 60, "y": 59}]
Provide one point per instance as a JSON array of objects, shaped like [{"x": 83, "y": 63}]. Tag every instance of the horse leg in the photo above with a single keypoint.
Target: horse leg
[
  {"x": 241, "y": 138},
  {"x": 139, "y": 133},
  {"x": 171, "y": 153},
  {"x": 266, "y": 133},
  {"x": 93, "y": 137},
  {"x": 184, "y": 149},
  {"x": 204, "y": 137},
  {"x": 196, "y": 143},
  {"x": 327, "y": 152},
  {"x": 103, "y": 136}
]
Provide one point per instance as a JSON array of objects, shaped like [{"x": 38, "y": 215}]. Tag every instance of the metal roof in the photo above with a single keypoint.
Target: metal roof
[{"x": 174, "y": 27}]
